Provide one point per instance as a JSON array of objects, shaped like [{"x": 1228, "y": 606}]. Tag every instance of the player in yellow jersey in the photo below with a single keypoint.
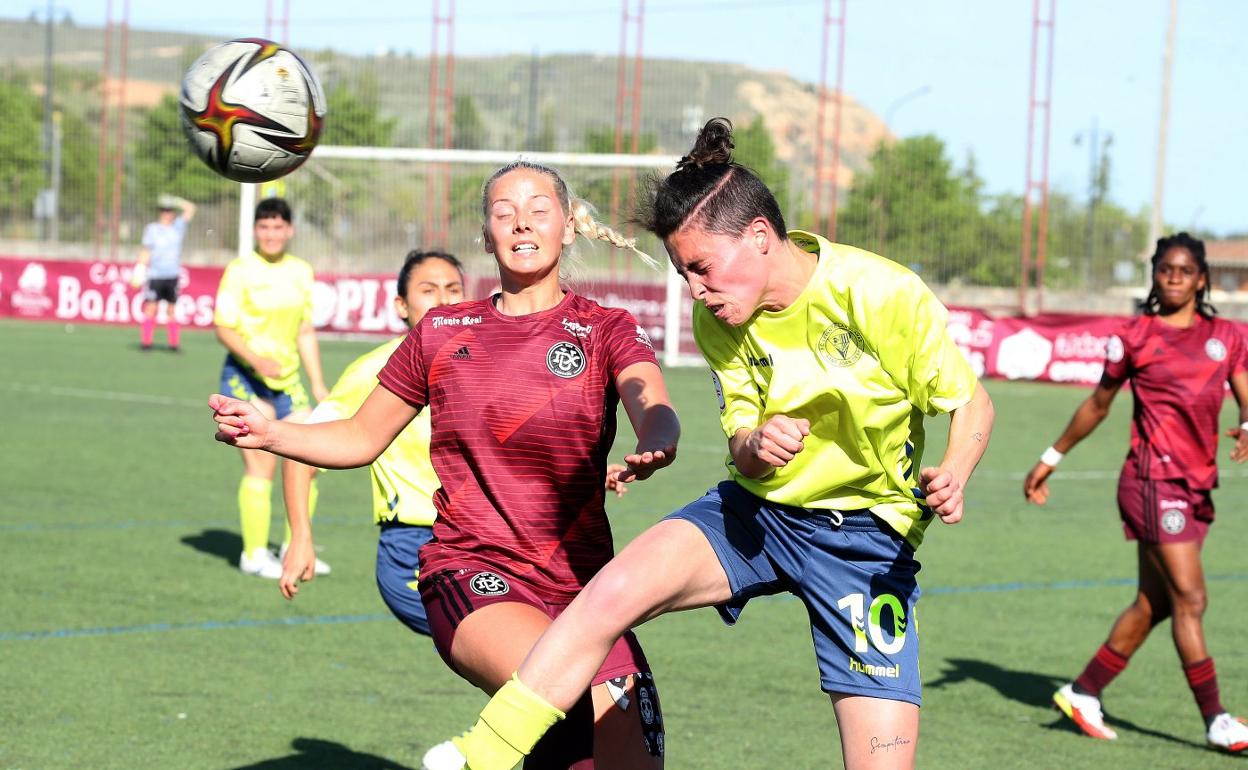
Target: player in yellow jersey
[
  {"x": 403, "y": 477},
  {"x": 825, "y": 360},
  {"x": 264, "y": 319}
]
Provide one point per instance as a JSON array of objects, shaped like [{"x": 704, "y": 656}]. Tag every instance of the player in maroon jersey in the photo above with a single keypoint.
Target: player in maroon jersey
[
  {"x": 1179, "y": 357},
  {"x": 523, "y": 388}
]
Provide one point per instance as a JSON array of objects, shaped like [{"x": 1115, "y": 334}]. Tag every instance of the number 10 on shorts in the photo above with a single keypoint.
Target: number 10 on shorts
[{"x": 856, "y": 603}]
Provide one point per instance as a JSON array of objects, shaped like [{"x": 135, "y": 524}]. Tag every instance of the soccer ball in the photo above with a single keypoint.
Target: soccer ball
[{"x": 252, "y": 109}]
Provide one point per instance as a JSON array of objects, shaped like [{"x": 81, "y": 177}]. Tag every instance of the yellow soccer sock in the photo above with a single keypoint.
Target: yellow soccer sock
[
  {"x": 313, "y": 494},
  {"x": 255, "y": 509},
  {"x": 512, "y": 722}
]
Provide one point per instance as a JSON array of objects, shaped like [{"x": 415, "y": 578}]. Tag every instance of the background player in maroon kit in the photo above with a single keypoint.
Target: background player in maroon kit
[
  {"x": 1178, "y": 356},
  {"x": 523, "y": 388}
]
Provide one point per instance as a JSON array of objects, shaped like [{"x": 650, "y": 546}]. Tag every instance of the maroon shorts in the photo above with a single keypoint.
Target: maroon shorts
[
  {"x": 1163, "y": 510},
  {"x": 450, "y": 595}
]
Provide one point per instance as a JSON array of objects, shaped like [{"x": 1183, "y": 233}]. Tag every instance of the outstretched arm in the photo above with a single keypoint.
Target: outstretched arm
[
  {"x": 1091, "y": 413},
  {"x": 346, "y": 443},
  {"x": 644, "y": 395},
  {"x": 970, "y": 426}
]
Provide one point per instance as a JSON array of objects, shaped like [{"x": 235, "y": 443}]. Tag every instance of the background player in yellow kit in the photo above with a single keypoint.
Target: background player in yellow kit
[
  {"x": 825, "y": 360},
  {"x": 263, "y": 318},
  {"x": 403, "y": 477}
]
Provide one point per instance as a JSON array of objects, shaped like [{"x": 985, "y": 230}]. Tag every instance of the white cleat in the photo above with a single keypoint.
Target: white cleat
[
  {"x": 321, "y": 567},
  {"x": 260, "y": 562},
  {"x": 1085, "y": 711},
  {"x": 444, "y": 756},
  {"x": 1228, "y": 733}
]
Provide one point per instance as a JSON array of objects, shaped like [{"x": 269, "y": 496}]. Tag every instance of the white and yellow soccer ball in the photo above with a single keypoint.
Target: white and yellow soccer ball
[{"x": 252, "y": 109}]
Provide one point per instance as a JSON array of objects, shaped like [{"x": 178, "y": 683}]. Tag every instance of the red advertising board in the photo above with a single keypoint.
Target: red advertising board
[{"x": 1050, "y": 347}]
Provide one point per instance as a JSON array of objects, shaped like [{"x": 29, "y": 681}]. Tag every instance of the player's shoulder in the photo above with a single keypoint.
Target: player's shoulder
[
  {"x": 1133, "y": 331},
  {"x": 296, "y": 264},
  {"x": 592, "y": 309}
]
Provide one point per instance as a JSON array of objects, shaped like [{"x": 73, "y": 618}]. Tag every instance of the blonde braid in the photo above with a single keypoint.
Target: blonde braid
[{"x": 586, "y": 225}]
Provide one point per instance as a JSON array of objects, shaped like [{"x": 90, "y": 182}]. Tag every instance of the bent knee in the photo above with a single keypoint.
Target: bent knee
[{"x": 1190, "y": 603}]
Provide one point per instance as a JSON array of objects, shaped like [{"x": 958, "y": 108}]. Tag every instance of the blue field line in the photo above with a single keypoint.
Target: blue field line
[
  {"x": 209, "y": 625},
  {"x": 319, "y": 620}
]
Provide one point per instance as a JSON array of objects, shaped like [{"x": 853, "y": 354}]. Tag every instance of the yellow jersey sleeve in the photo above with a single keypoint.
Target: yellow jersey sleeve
[
  {"x": 907, "y": 328},
  {"x": 739, "y": 396},
  {"x": 228, "y": 307}
]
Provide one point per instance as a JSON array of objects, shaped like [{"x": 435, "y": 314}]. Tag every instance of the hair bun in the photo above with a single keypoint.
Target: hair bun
[{"x": 713, "y": 145}]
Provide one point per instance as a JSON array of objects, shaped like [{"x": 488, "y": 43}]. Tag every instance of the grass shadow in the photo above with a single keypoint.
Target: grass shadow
[
  {"x": 221, "y": 543},
  {"x": 316, "y": 754},
  {"x": 1032, "y": 689}
]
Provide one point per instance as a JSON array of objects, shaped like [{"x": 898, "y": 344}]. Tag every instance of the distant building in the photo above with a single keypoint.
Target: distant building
[{"x": 1228, "y": 264}]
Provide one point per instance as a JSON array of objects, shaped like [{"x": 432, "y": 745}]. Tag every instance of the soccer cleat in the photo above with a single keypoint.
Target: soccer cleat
[
  {"x": 260, "y": 562},
  {"x": 1085, "y": 711},
  {"x": 321, "y": 567},
  {"x": 1228, "y": 733},
  {"x": 444, "y": 756}
]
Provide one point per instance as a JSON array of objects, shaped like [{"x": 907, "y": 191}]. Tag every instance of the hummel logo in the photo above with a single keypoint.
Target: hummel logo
[{"x": 462, "y": 354}]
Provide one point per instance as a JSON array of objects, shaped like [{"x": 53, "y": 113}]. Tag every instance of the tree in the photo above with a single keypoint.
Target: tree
[
  {"x": 164, "y": 163},
  {"x": 912, "y": 206},
  {"x": 755, "y": 150},
  {"x": 353, "y": 115},
  {"x": 469, "y": 129},
  {"x": 21, "y": 150},
  {"x": 610, "y": 186}
]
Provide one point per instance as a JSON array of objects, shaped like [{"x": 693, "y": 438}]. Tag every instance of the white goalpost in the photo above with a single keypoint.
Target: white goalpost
[{"x": 383, "y": 166}]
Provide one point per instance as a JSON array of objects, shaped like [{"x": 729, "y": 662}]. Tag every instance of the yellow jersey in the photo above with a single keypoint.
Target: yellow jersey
[
  {"x": 403, "y": 476},
  {"x": 863, "y": 354},
  {"x": 267, "y": 303}
]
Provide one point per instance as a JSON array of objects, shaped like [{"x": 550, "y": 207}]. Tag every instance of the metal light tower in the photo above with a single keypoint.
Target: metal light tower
[
  {"x": 628, "y": 100},
  {"x": 1037, "y": 180},
  {"x": 827, "y": 176},
  {"x": 441, "y": 124}
]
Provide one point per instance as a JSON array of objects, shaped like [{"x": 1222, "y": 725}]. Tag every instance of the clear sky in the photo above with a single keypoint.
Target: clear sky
[{"x": 955, "y": 69}]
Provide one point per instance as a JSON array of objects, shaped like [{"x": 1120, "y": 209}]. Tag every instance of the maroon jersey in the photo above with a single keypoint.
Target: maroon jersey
[
  {"x": 523, "y": 418},
  {"x": 1178, "y": 377}
]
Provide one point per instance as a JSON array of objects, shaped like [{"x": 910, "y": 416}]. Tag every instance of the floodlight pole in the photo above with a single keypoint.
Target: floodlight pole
[
  {"x": 1163, "y": 125},
  {"x": 1037, "y": 186},
  {"x": 825, "y": 175}
]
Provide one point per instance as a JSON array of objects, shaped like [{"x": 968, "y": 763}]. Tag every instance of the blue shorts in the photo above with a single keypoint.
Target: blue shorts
[
  {"x": 240, "y": 382},
  {"x": 857, "y": 580},
  {"x": 398, "y": 570}
]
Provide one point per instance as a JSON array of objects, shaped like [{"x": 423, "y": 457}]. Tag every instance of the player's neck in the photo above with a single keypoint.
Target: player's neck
[
  {"x": 1180, "y": 318},
  {"x": 526, "y": 300}
]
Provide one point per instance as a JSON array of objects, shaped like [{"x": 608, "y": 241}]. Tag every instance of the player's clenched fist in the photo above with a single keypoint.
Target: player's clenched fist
[
  {"x": 778, "y": 440},
  {"x": 943, "y": 493},
  {"x": 1035, "y": 486},
  {"x": 239, "y": 423}
]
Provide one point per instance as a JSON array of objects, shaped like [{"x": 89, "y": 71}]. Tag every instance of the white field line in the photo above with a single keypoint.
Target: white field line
[{"x": 105, "y": 395}]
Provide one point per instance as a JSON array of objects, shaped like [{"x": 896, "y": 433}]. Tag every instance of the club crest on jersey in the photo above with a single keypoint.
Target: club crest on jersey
[
  {"x": 565, "y": 360},
  {"x": 1173, "y": 521},
  {"x": 1114, "y": 350},
  {"x": 1215, "y": 349},
  {"x": 841, "y": 345},
  {"x": 488, "y": 584}
]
